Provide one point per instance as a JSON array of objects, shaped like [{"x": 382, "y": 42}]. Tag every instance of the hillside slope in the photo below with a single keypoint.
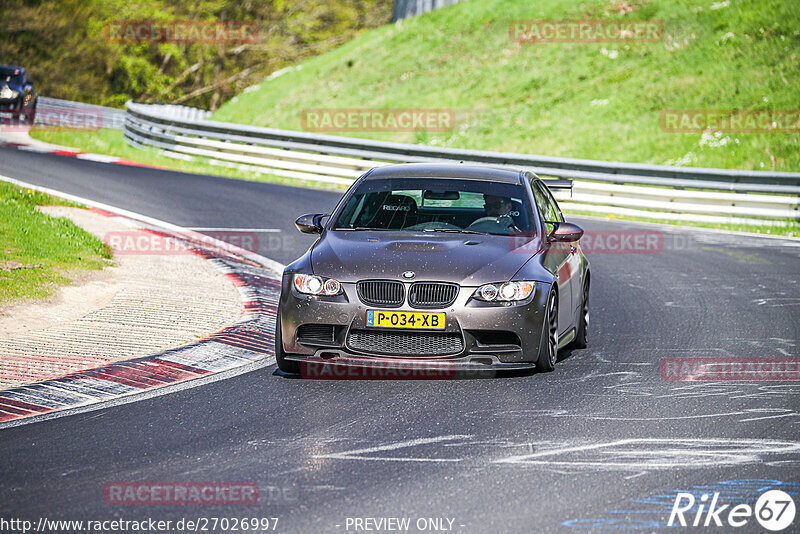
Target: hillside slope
[
  {"x": 585, "y": 100},
  {"x": 68, "y": 48}
]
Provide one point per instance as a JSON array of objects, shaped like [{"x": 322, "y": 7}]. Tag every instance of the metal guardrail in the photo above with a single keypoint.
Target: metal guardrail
[
  {"x": 110, "y": 117},
  {"x": 403, "y": 9},
  {"x": 175, "y": 111},
  {"x": 651, "y": 191}
]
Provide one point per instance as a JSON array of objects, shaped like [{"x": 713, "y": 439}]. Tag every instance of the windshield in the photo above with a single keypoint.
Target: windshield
[
  {"x": 10, "y": 75},
  {"x": 437, "y": 205}
]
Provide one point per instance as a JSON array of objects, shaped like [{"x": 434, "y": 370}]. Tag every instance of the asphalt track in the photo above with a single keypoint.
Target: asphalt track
[{"x": 604, "y": 442}]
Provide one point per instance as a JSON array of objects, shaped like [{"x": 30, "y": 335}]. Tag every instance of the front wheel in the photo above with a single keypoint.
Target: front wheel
[
  {"x": 287, "y": 366},
  {"x": 548, "y": 347}
]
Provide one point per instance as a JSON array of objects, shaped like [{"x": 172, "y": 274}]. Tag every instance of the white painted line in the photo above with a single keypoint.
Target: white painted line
[
  {"x": 203, "y": 229},
  {"x": 98, "y": 157},
  {"x": 790, "y": 414},
  {"x": 35, "y": 148},
  {"x": 670, "y": 418},
  {"x": 552, "y": 452},
  {"x": 657, "y": 453},
  {"x": 356, "y": 453}
]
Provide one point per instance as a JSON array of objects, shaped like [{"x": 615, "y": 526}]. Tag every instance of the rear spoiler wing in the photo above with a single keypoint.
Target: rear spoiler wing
[{"x": 559, "y": 184}]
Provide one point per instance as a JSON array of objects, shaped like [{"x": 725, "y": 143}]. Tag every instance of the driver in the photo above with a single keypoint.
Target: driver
[
  {"x": 499, "y": 208},
  {"x": 496, "y": 206}
]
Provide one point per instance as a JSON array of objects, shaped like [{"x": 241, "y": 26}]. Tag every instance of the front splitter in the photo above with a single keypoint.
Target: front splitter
[{"x": 340, "y": 365}]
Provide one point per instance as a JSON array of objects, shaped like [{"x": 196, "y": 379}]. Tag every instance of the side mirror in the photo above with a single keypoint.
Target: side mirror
[
  {"x": 565, "y": 231},
  {"x": 310, "y": 223}
]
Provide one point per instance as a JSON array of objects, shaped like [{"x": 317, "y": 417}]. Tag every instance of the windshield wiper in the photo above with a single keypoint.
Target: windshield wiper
[
  {"x": 446, "y": 230},
  {"x": 364, "y": 229},
  {"x": 455, "y": 231}
]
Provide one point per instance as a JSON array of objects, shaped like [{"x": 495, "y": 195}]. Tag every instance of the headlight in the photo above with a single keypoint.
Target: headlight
[
  {"x": 310, "y": 284},
  {"x": 504, "y": 292},
  {"x": 7, "y": 92}
]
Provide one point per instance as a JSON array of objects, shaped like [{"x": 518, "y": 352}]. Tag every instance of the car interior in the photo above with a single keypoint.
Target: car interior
[{"x": 427, "y": 210}]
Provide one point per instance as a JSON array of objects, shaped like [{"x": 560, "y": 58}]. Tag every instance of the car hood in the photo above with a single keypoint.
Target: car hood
[
  {"x": 13, "y": 84},
  {"x": 468, "y": 260}
]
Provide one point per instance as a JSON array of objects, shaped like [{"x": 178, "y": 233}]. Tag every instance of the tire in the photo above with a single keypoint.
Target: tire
[
  {"x": 583, "y": 321},
  {"x": 548, "y": 347},
  {"x": 26, "y": 116},
  {"x": 287, "y": 366}
]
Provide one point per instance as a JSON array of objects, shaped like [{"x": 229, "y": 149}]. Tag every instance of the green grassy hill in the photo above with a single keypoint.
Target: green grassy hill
[{"x": 585, "y": 100}]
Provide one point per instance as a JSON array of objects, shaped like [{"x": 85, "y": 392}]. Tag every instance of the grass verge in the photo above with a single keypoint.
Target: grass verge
[{"x": 39, "y": 253}]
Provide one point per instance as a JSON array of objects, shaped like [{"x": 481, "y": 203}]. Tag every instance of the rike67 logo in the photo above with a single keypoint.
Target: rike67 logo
[{"x": 774, "y": 510}]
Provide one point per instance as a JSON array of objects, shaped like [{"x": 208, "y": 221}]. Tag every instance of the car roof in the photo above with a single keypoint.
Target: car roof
[{"x": 445, "y": 171}]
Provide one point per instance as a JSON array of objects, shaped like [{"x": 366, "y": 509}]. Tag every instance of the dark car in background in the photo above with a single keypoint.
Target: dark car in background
[
  {"x": 18, "y": 97},
  {"x": 437, "y": 264}
]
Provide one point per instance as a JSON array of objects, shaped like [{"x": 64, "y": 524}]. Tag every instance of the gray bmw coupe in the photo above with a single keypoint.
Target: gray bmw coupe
[{"x": 440, "y": 265}]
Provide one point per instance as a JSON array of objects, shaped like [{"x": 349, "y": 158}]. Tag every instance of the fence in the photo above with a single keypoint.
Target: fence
[
  {"x": 111, "y": 117},
  {"x": 115, "y": 118},
  {"x": 650, "y": 191}
]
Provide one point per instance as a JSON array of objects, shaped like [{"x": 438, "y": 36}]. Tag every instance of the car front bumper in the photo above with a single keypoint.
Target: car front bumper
[
  {"x": 11, "y": 104},
  {"x": 491, "y": 336}
]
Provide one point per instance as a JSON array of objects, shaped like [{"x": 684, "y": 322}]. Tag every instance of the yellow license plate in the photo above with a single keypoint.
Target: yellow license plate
[{"x": 401, "y": 319}]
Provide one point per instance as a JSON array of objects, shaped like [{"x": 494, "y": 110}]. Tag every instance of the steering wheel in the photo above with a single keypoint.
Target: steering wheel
[
  {"x": 487, "y": 224},
  {"x": 432, "y": 225}
]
